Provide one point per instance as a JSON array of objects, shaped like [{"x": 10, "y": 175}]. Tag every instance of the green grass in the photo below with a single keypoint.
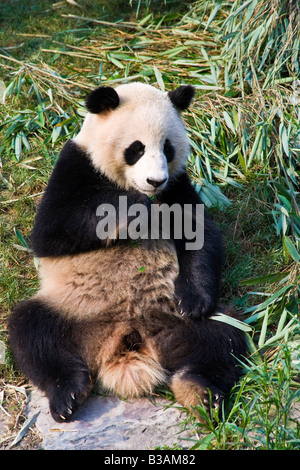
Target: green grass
[{"x": 243, "y": 58}]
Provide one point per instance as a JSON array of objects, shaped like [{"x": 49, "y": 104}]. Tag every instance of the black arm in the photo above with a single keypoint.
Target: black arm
[
  {"x": 197, "y": 286},
  {"x": 66, "y": 218}
]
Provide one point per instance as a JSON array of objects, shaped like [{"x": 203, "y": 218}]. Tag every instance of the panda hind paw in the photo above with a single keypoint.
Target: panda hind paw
[{"x": 212, "y": 398}]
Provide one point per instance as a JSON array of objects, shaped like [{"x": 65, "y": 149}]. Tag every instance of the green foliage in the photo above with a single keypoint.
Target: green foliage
[
  {"x": 243, "y": 59},
  {"x": 261, "y": 414}
]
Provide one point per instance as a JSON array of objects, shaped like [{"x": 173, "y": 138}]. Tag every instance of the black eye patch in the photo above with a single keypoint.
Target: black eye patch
[
  {"x": 134, "y": 152},
  {"x": 169, "y": 151}
]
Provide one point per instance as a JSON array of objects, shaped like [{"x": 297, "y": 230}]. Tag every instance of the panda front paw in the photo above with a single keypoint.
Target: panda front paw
[
  {"x": 191, "y": 303},
  {"x": 138, "y": 198},
  {"x": 141, "y": 198},
  {"x": 65, "y": 397}
]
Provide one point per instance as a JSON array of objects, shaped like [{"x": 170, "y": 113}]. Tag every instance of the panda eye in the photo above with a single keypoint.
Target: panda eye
[
  {"x": 169, "y": 151},
  {"x": 134, "y": 152}
]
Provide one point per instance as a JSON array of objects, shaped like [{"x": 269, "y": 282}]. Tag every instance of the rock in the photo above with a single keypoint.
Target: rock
[{"x": 109, "y": 423}]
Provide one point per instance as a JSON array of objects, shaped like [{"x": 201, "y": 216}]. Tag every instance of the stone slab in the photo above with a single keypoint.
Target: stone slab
[{"x": 108, "y": 423}]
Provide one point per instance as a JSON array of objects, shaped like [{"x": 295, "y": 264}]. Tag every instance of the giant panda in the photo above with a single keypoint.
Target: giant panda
[{"x": 128, "y": 313}]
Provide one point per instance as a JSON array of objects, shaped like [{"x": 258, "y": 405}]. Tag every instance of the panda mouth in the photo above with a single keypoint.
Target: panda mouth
[{"x": 151, "y": 192}]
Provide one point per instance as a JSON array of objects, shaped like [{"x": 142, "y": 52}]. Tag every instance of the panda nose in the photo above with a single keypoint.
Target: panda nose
[{"x": 156, "y": 183}]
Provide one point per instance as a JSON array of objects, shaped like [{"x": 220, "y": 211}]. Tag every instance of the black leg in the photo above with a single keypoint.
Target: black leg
[
  {"x": 203, "y": 360},
  {"x": 45, "y": 349}
]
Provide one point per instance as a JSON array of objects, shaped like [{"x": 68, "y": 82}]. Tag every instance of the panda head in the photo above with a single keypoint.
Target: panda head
[{"x": 134, "y": 134}]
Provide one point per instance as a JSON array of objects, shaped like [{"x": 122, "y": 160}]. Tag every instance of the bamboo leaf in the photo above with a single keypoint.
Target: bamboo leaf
[
  {"x": 291, "y": 248},
  {"x": 263, "y": 330},
  {"x": 18, "y": 146},
  {"x": 21, "y": 238},
  {"x": 231, "y": 321},
  {"x": 144, "y": 20},
  {"x": 279, "y": 335},
  {"x": 213, "y": 73},
  {"x": 8, "y": 91},
  {"x": 213, "y": 14},
  {"x": 26, "y": 426},
  {"x": 56, "y": 133},
  {"x": 270, "y": 300},
  {"x": 268, "y": 279},
  {"x": 284, "y": 139},
  {"x": 229, "y": 121},
  {"x": 159, "y": 78},
  {"x": 255, "y": 146},
  {"x": 281, "y": 321}
]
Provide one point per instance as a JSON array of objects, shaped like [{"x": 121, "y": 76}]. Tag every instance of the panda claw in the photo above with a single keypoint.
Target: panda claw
[{"x": 65, "y": 400}]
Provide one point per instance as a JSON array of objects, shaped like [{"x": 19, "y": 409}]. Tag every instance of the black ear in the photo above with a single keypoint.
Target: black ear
[
  {"x": 102, "y": 99},
  {"x": 182, "y": 96}
]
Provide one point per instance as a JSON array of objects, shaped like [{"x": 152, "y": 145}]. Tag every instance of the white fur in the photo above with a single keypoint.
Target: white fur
[{"x": 145, "y": 114}]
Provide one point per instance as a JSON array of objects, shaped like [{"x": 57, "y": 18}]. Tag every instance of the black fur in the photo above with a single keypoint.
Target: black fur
[
  {"x": 182, "y": 96},
  {"x": 169, "y": 151},
  {"x": 134, "y": 152},
  {"x": 46, "y": 349},
  {"x": 66, "y": 218},
  {"x": 102, "y": 99},
  {"x": 198, "y": 283},
  {"x": 208, "y": 348}
]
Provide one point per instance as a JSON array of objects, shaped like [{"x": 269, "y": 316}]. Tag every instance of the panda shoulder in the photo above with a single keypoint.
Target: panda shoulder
[{"x": 73, "y": 168}]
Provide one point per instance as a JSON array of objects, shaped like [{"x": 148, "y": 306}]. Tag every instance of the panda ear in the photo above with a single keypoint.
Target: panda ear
[
  {"x": 182, "y": 96},
  {"x": 102, "y": 99}
]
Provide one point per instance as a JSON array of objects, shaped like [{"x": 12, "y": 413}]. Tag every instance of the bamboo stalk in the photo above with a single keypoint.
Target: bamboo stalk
[
  {"x": 44, "y": 72},
  {"x": 122, "y": 24},
  {"x": 73, "y": 54}
]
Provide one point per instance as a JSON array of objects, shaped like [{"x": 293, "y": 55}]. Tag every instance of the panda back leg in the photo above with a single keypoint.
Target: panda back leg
[
  {"x": 45, "y": 348},
  {"x": 191, "y": 388},
  {"x": 204, "y": 362}
]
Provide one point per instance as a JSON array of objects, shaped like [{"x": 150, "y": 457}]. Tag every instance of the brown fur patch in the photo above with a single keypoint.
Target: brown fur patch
[
  {"x": 131, "y": 373},
  {"x": 186, "y": 391},
  {"x": 93, "y": 285},
  {"x": 127, "y": 371},
  {"x": 192, "y": 389}
]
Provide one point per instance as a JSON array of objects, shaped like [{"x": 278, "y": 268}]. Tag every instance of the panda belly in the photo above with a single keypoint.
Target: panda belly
[
  {"x": 118, "y": 298},
  {"x": 114, "y": 284}
]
